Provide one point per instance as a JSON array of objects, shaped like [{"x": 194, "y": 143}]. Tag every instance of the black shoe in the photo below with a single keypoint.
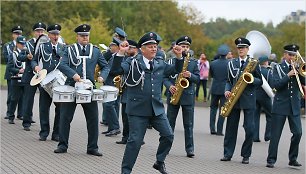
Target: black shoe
[
  {"x": 60, "y": 150},
  {"x": 267, "y": 139},
  {"x": 42, "y": 138},
  {"x": 219, "y": 134},
  {"x": 20, "y": 117},
  {"x": 55, "y": 138},
  {"x": 121, "y": 142},
  {"x": 32, "y": 121},
  {"x": 105, "y": 132},
  {"x": 225, "y": 159},
  {"x": 245, "y": 160},
  {"x": 270, "y": 165},
  {"x": 213, "y": 132},
  {"x": 94, "y": 152},
  {"x": 257, "y": 140},
  {"x": 160, "y": 166},
  {"x": 190, "y": 154},
  {"x": 143, "y": 143},
  {"x": 295, "y": 163},
  {"x": 6, "y": 117},
  {"x": 103, "y": 123},
  {"x": 11, "y": 121},
  {"x": 26, "y": 128},
  {"x": 113, "y": 132}
]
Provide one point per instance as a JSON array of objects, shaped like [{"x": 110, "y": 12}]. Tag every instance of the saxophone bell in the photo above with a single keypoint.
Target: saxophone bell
[
  {"x": 184, "y": 83},
  {"x": 117, "y": 83},
  {"x": 248, "y": 77}
]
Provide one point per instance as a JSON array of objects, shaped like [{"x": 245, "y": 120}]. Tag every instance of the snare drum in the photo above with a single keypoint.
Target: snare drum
[
  {"x": 110, "y": 93},
  {"x": 83, "y": 96},
  {"x": 98, "y": 95},
  {"x": 53, "y": 79},
  {"x": 63, "y": 93}
]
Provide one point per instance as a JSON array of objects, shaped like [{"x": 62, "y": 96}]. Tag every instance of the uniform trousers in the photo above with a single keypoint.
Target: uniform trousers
[
  {"x": 91, "y": 115},
  {"x": 111, "y": 111},
  {"x": 216, "y": 102},
  {"x": 277, "y": 126},
  {"x": 45, "y": 102},
  {"x": 266, "y": 105},
  {"x": 138, "y": 126},
  {"x": 230, "y": 137},
  {"x": 188, "y": 122},
  {"x": 8, "y": 100},
  {"x": 125, "y": 123},
  {"x": 29, "y": 95},
  {"x": 16, "y": 99}
]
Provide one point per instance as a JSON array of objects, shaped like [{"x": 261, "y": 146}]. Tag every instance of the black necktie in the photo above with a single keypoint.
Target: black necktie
[
  {"x": 290, "y": 67},
  {"x": 83, "y": 50},
  {"x": 151, "y": 65},
  {"x": 54, "y": 50},
  {"x": 242, "y": 63}
]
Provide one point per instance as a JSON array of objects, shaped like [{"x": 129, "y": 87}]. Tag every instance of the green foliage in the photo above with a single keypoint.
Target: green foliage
[{"x": 139, "y": 17}]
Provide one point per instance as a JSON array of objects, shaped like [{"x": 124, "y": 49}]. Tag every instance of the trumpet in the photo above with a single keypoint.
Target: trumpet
[{"x": 300, "y": 63}]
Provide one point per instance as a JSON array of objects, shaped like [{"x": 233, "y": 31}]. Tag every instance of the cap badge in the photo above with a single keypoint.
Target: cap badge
[
  {"x": 293, "y": 46},
  {"x": 39, "y": 23},
  {"x": 186, "y": 37},
  {"x": 84, "y": 26},
  {"x": 18, "y": 26},
  {"x": 151, "y": 34}
]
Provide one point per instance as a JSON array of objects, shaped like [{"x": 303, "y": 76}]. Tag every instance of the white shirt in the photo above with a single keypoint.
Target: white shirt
[{"x": 146, "y": 61}]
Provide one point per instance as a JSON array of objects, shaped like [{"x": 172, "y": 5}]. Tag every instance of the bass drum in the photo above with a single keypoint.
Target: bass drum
[{"x": 110, "y": 93}]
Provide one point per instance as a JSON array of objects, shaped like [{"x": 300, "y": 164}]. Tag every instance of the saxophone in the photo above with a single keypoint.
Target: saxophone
[
  {"x": 97, "y": 72},
  {"x": 181, "y": 83},
  {"x": 245, "y": 79},
  {"x": 117, "y": 82}
]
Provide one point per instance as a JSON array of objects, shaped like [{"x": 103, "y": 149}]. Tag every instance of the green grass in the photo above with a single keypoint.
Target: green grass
[{"x": 2, "y": 72}]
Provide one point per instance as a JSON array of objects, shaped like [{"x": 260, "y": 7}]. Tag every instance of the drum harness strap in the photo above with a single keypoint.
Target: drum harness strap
[{"x": 77, "y": 55}]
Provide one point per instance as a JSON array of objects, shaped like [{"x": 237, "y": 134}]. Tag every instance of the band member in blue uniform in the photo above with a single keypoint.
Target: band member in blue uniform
[
  {"x": 74, "y": 68},
  {"x": 246, "y": 102},
  {"x": 286, "y": 105},
  {"x": 111, "y": 109},
  {"x": 29, "y": 91},
  {"x": 16, "y": 69},
  {"x": 49, "y": 54},
  {"x": 218, "y": 72},
  {"x": 144, "y": 102},
  {"x": 263, "y": 101},
  {"x": 7, "y": 51},
  {"x": 187, "y": 98},
  {"x": 131, "y": 52}
]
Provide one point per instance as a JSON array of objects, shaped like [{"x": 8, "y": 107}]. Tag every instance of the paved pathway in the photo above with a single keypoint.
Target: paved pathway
[{"x": 22, "y": 152}]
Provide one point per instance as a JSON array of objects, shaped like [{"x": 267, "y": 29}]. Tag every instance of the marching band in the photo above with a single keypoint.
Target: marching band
[{"x": 133, "y": 73}]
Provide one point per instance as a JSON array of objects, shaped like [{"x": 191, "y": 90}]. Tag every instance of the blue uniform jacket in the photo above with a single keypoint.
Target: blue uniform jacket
[
  {"x": 247, "y": 99},
  {"x": 45, "y": 55},
  {"x": 218, "y": 71},
  {"x": 287, "y": 97},
  {"x": 14, "y": 65},
  {"x": 7, "y": 51},
  {"x": 188, "y": 94},
  {"x": 145, "y": 99},
  {"x": 70, "y": 69},
  {"x": 28, "y": 72}
]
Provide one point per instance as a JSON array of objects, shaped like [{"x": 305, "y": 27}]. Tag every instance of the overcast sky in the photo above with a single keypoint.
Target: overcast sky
[{"x": 256, "y": 10}]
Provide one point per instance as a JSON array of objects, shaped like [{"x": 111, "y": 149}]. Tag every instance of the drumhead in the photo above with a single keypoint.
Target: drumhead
[
  {"x": 97, "y": 91},
  {"x": 109, "y": 88},
  {"x": 48, "y": 78},
  {"x": 64, "y": 89}
]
